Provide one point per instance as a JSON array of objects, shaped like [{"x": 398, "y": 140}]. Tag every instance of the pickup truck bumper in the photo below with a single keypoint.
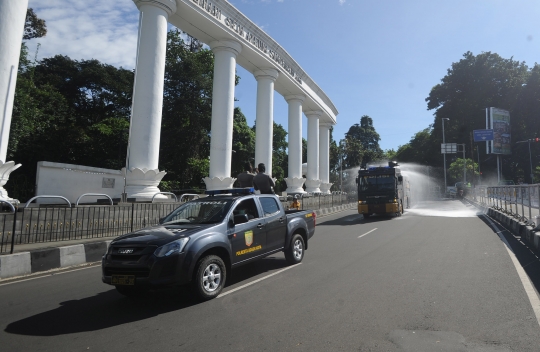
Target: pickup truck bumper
[
  {"x": 148, "y": 270},
  {"x": 378, "y": 208}
]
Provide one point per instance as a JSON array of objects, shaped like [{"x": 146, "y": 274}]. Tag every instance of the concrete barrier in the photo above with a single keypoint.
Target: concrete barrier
[{"x": 44, "y": 259}]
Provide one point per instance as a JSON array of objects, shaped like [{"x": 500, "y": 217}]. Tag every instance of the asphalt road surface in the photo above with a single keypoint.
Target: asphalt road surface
[{"x": 439, "y": 278}]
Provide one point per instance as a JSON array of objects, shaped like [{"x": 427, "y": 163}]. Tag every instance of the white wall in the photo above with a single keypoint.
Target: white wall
[{"x": 71, "y": 181}]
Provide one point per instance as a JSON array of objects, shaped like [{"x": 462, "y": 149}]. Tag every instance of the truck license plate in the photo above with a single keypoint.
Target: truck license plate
[{"x": 123, "y": 280}]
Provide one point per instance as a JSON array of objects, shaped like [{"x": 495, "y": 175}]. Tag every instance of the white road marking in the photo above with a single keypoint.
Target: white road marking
[
  {"x": 258, "y": 280},
  {"x": 525, "y": 281},
  {"x": 47, "y": 275},
  {"x": 367, "y": 233}
]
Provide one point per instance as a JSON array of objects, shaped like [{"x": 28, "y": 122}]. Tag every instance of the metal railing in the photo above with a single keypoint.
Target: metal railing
[
  {"x": 519, "y": 201},
  {"x": 56, "y": 222}
]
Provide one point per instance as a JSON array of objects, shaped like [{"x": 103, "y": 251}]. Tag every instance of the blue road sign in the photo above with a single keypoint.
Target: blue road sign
[{"x": 483, "y": 135}]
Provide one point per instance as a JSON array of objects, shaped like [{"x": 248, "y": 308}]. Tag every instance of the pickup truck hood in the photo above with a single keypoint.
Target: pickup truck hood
[{"x": 158, "y": 235}]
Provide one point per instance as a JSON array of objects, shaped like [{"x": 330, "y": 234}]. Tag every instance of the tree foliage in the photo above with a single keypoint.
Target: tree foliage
[
  {"x": 470, "y": 86},
  {"x": 34, "y": 27},
  {"x": 187, "y": 113}
]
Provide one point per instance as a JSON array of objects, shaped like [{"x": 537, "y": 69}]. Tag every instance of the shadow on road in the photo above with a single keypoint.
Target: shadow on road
[
  {"x": 527, "y": 256},
  {"x": 355, "y": 219},
  {"x": 109, "y": 308}
]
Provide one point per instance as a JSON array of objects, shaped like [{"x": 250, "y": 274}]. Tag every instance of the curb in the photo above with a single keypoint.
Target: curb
[{"x": 35, "y": 261}]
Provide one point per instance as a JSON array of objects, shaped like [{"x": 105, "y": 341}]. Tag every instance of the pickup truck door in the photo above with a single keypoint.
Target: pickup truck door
[
  {"x": 276, "y": 222},
  {"x": 248, "y": 240}
]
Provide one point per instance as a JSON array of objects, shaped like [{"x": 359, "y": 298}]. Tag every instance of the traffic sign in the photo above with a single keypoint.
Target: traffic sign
[{"x": 483, "y": 135}]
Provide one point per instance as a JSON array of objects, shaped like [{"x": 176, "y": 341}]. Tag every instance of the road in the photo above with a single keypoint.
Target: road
[{"x": 439, "y": 278}]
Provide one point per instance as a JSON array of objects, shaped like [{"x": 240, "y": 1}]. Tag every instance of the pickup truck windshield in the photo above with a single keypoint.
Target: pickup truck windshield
[
  {"x": 203, "y": 211},
  {"x": 376, "y": 183}
]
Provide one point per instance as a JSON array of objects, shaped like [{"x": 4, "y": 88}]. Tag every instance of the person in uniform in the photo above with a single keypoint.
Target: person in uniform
[
  {"x": 262, "y": 181},
  {"x": 245, "y": 179}
]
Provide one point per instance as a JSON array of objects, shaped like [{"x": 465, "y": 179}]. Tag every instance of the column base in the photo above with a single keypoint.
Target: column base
[
  {"x": 5, "y": 170},
  {"x": 312, "y": 186},
  {"x": 214, "y": 183},
  {"x": 294, "y": 185},
  {"x": 325, "y": 187},
  {"x": 141, "y": 184}
]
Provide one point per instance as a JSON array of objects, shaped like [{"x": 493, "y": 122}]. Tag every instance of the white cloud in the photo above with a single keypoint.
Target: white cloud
[
  {"x": 102, "y": 29},
  {"x": 341, "y": 2}
]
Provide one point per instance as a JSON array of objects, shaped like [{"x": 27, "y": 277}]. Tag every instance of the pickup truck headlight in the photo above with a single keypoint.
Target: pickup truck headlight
[{"x": 172, "y": 247}]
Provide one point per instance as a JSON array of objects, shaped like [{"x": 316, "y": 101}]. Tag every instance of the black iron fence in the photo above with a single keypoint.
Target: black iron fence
[{"x": 51, "y": 224}]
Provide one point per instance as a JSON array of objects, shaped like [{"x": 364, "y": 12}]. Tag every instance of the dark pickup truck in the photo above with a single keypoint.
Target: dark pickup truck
[{"x": 202, "y": 240}]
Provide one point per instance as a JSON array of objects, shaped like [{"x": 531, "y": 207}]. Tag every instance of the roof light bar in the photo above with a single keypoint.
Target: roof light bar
[{"x": 233, "y": 191}]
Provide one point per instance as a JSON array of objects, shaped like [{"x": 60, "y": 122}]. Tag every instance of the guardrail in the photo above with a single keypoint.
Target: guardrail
[
  {"x": 519, "y": 201},
  {"x": 60, "y": 223}
]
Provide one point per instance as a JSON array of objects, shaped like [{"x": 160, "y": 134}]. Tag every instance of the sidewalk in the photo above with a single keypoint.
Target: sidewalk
[{"x": 37, "y": 257}]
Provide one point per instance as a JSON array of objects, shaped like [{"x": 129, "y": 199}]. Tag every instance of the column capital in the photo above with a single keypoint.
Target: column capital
[
  {"x": 270, "y": 73},
  {"x": 313, "y": 113},
  {"x": 295, "y": 97},
  {"x": 168, "y": 5},
  {"x": 226, "y": 45},
  {"x": 325, "y": 125}
]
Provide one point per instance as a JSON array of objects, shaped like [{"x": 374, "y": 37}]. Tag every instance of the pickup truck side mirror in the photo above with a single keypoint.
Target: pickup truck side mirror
[
  {"x": 400, "y": 178},
  {"x": 357, "y": 180},
  {"x": 240, "y": 219},
  {"x": 161, "y": 219}
]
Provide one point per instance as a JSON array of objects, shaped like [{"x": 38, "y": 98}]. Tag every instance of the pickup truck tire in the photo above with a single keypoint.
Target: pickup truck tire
[
  {"x": 210, "y": 275},
  {"x": 295, "y": 253}
]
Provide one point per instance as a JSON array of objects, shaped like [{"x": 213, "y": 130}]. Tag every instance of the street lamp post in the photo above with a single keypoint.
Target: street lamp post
[{"x": 444, "y": 155}]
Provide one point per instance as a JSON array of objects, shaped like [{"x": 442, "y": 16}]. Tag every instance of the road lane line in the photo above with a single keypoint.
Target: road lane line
[
  {"x": 367, "y": 233},
  {"x": 525, "y": 281},
  {"x": 258, "y": 280}
]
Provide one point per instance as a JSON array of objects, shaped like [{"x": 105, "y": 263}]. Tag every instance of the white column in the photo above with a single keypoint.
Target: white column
[
  {"x": 264, "y": 120},
  {"x": 225, "y": 52},
  {"x": 324, "y": 157},
  {"x": 142, "y": 174},
  {"x": 295, "y": 181},
  {"x": 313, "y": 181},
  {"x": 12, "y": 18}
]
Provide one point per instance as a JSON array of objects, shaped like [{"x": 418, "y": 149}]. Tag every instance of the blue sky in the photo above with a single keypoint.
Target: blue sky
[{"x": 372, "y": 57}]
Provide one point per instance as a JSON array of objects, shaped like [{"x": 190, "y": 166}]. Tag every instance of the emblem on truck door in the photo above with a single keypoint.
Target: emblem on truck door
[{"x": 249, "y": 238}]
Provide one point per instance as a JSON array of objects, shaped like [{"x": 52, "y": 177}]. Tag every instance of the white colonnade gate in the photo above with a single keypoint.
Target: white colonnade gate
[{"x": 234, "y": 40}]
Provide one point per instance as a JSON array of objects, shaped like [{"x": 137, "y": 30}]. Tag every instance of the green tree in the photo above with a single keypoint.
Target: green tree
[
  {"x": 362, "y": 143},
  {"x": 471, "y": 85},
  {"x": 68, "y": 111},
  {"x": 280, "y": 157},
  {"x": 187, "y": 113},
  {"x": 243, "y": 143},
  {"x": 34, "y": 27},
  {"x": 455, "y": 171},
  {"x": 418, "y": 150}
]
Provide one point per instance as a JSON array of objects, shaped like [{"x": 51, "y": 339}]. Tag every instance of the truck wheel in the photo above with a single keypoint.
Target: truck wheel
[
  {"x": 131, "y": 291},
  {"x": 210, "y": 275},
  {"x": 295, "y": 253}
]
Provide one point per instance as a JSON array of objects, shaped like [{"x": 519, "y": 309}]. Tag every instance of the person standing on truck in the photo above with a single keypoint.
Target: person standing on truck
[
  {"x": 263, "y": 182},
  {"x": 245, "y": 179}
]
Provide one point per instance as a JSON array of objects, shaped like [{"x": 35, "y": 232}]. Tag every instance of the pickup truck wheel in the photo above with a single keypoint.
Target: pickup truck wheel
[
  {"x": 295, "y": 253},
  {"x": 210, "y": 276}
]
